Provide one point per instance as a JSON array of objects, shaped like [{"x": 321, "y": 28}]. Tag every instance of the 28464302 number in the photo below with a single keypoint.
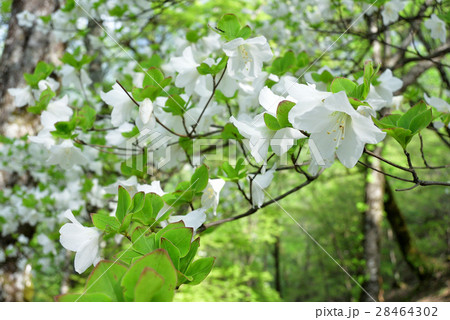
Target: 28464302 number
[{"x": 404, "y": 311}]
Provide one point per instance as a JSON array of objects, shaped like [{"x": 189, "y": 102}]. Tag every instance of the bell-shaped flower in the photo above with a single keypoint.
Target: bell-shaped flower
[
  {"x": 337, "y": 128},
  {"x": 391, "y": 10},
  {"x": 246, "y": 57},
  {"x": 66, "y": 155},
  {"x": 261, "y": 182},
  {"x": 436, "y": 27},
  {"x": 83, "y": 240},
  {"x": 193, "y": 219},
  {"x": 122, "y": 105},
  {"x": 210, "y": 196}
]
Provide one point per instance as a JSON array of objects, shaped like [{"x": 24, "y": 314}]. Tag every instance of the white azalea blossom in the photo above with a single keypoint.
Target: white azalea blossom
[
  {"x": 193, "y": 219},
  {"x": 210, "y": 196},
  {"x": 122, "y": 105},
  {"x": 246, "y": 57},
  {"x": 440, "y": 104},
  {"x": 382, "y": 95},
  {"x": 437, "y": 28},
  {"x": 391, "y": 10},
  {"x": 261, "y": 182},
  {"x": 83, "y": 240},
  {"x": 57, "y": 110},
  {"x": 22, "y": 96},
  {"x": 146, "y": 110},
  {"x": 337, "y": 128},
  {"x": 66, "y": 155}
]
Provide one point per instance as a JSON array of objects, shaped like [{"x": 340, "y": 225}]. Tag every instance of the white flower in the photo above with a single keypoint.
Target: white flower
[
  {"x": 146, "y": 110},
  {"x": 391, "y": 10},
  {"x": 122, "y": 105},
  {"x": 115, "y": 137},
  {"x": 246, "y": 57},
  {"x": 66, "y": 155},
  {"x": 71, "y": 77},
  {"x": 188, "y": 76},
  {"x": 306, "y": 97},
  {"x": 381, "y": 95},
  {"x": 336, "y": 127},
  {"x": 154, "y": 187},
  {"x": 259, "y": 137},
  {"x": 57, "y": 110},
  {"x": 439, "y": 104},
  {"x": 130, "y": 185},
  {"x": 210, "y": 196},
  {"x": 22, "y": 96},
  {"x": 82, "y": 240},
  {"x": 44, "y": 137},
  {"x": 261, "y": 182},
  {"x": 48, "y": 83},
  {"x": 193, "y": 219},
  {"x": 436, "y": 27}
]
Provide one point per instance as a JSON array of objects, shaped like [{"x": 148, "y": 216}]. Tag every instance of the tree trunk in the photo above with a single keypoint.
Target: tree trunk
[
  {"x": 24, "y": 47},
  {"x": 415, "y": 260},
  {"x": 276, "y": 257},
  {"x": 374, "y": 192}
]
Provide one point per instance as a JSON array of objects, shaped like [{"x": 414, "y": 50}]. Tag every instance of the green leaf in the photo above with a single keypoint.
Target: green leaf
[
  {"x": 325, "y": 77},
  {"x": 64, "y": 129},
  {"x": 138, "y": 202},
  {"x": 409, "y": 115},
  {"x": 231, "y": 132},
  {"x": 160, "y": 262},
  {"x": 123, "y": 204},
  {"x": 343, "y": 84},
  {"x": 204, "y": 69},
  {"x": 105, "y": 222},
  {"x": 153, "y": 203},
  {"x": 172, "y": 250},
  {"x": 229, "y": 26},
  {"x": 143, "y": 240},
  {"x": 153, "y": 77},
  {"x": 271, "y": 122},
  {"x": 132, "y": 133},
  {"x": 180, "y": 238},
  {"x": 200, "y": 269},
  {"x": 284, "y": 107},
  {"x": 187, "y": 259},
  {"x": 244, "y": 33},
  {"x": 175, "y": 105},
  {"x": 41, "y": 72},
  {"x": 44, "y": 99},
  {"x": 127, "y": 256},
  {"x": 199, "y": 180},
  {"x": 105, "y": 279},
  {"x": 179, "y": 224},
  {"x": 79, "y": 297},
  {"x": 149, "y": 283},
  {"x": 302, "y": 59},
  {"x": 421, "y": 121},
  {"x": 86, "y": 118}
]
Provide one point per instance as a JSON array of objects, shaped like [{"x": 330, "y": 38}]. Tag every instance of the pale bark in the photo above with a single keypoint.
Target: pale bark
[
  {"x": 374, "y": 192},
  {"x": 24, "y": 48}
]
